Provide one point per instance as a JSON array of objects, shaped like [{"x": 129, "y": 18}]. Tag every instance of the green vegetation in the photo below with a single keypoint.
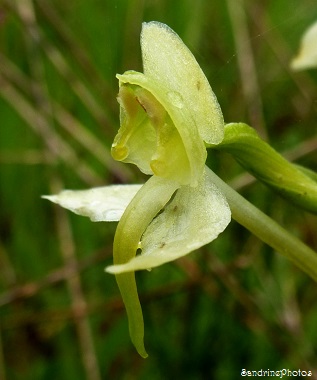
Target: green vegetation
[{"x": 232, "y": 304}]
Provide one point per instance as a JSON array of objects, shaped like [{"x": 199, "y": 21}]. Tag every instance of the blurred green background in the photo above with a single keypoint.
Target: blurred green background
[{"x": 234, "y": 304}]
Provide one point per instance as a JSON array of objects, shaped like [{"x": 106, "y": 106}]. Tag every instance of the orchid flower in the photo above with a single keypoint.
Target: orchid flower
[
  {"x": 169, "y": 115},
  {"x": 307, "y": 55}
]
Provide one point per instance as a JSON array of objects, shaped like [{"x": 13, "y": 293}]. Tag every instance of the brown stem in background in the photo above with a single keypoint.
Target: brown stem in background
[
  {"x": 247, "y": 66},
  {"x": 78, "y": 303}
]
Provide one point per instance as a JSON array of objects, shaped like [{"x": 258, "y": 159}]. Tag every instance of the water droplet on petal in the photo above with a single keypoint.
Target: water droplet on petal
[
  {"x": 176, "y": 99},
  {"x": 119, "y": 152}
]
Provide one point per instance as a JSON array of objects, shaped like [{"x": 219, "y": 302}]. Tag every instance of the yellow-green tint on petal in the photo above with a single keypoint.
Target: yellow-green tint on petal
[
  {"x": 168, "y": 61},
  {"x": 307, "y": 56},
  {"x": 188, "y": 170},
  {"x": 147, "y": 136},
  {"x": 194, "y": 217},
  {"x": 170, "y": 154},
  {"x": 135, "y": 141},
  {"x": 170, "y": 159},
  {"x": 148, "y": 201}
]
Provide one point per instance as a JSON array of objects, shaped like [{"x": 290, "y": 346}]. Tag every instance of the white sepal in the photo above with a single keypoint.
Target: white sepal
[{"x": 100, "y": 204}]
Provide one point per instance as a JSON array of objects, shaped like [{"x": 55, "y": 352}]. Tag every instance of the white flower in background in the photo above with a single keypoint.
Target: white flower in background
[{"x": 307, "y": 56}]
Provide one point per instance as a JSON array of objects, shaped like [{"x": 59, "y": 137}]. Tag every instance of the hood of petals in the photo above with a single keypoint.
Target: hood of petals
[
  {"x": 178, "y": 152},
  {"x": 169, "y": 114}
]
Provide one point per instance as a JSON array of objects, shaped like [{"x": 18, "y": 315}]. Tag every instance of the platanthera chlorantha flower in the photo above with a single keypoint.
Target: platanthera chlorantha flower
[
  {"x": 168, "y": 116},
  {"x": 307, "y": 56}
]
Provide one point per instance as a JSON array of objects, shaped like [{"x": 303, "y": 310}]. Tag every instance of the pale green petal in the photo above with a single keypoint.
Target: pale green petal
[
  {"x": 307, "y": 56},
  {"x": 99, "y": 204},
  {"x": 194, "y": 217},
  {"x": 168, "y": 61}
]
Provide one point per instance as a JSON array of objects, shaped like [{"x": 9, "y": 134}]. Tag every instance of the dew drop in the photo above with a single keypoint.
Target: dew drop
[
  {"x": 119, "y": 152},
  {"x": 176, "y": 99}
]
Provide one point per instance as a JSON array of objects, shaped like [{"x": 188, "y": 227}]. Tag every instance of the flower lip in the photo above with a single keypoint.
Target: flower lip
[{"x": 193, "y": 218}]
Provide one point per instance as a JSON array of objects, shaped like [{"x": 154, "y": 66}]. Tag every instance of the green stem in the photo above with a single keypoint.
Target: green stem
[{"x": 267, "y": 229}]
